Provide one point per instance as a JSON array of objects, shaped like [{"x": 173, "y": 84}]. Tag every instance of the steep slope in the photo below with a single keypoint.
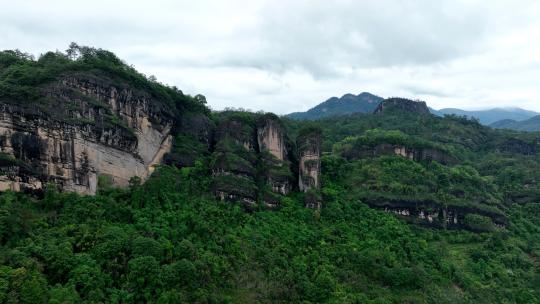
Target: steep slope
[
  {"x": 529, "y": 125},
  {"x": 252, "y": 159},
  {"x": 182, "y": 236},
  {"x": 74, "y": 120},
  {"x": 347, "y": 104}
]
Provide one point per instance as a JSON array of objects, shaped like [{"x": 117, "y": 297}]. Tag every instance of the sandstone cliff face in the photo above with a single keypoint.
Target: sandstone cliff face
[
  {"x": 271, "y": 138},
  {"x": 88, "y": 127},
  {"x": 309, "y": 149},
  {"x": 251, "y": 159}
]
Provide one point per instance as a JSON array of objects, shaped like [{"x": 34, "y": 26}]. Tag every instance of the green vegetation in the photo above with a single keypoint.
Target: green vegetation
[
  {"x": 374, "y": 137},
  {"x": 170, "y": 241},
  {"x": 7, "y": 161},
  {"x": 27, "y": 82},
  {"x": 398, "y": 178}
]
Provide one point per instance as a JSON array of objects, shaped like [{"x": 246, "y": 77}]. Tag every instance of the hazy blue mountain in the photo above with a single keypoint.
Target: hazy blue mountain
[
  {"x": 501, "y": 124},
  {"x": 531, "y": 124},
  {"x": 367, "y": 103},
  {"x": 347, "y": 104},
  {"x": 490, "y": 116}
]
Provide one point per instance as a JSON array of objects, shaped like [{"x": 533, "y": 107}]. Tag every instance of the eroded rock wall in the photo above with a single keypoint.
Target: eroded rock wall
[
  {"x": 309, "y": 150},
  {"x": 272, "y": 140},
  {"x": 86, "y": 126},
  {"x": 251, "y": 159},
  {"x": 233, "y": 162}
]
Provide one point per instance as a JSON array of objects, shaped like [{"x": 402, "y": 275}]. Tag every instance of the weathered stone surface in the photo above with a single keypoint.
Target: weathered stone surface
[
  {"x": 251, "y": 159},
  {"x": 89, "y": 127},
  {"x": 309, "y": 149},
  {"x": 271, "y": 138},
  {"x": 310, "y": 162}
]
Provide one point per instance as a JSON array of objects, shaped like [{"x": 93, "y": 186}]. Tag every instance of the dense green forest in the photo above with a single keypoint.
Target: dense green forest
[{"x": 169, "y": 240}]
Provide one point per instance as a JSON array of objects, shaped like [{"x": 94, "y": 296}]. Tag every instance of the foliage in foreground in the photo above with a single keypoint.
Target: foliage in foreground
[{"x": 167, "y": 242}]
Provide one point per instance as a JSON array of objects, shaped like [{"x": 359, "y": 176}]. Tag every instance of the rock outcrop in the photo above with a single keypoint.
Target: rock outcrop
[
  {"x": 251, "y": 159},
  {"x": 309, "y": 150},
  {"x": 375, "y": 142},
  {"x": 412, "y": 153},
  {"x": 433, "y": 214},
  {"x": 84, "y": 126},
  {"x": 402, "y": 104},
  {"x": 234, "y": 161},
  {"x": 274, "y": 154}
]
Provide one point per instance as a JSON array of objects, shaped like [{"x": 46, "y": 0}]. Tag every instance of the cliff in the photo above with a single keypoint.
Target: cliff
[
  {"x": 96, "y": 128},
  {"x": 309, "y": 144},
  {"x": 252, "y": 159},
  {"x": 68, "y": 121},
  {"x": 234, "y": 159}
]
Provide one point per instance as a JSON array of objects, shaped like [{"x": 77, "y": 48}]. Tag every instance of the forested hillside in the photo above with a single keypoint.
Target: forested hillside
[
  {"x": 531, "y": 124},
  {"x": 401, "y": 207}
]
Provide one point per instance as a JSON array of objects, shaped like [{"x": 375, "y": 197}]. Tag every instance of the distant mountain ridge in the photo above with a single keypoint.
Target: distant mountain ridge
[
  {"x": 367, "y": 103},
  {"x": 530, "y": 125},
  {"x": 489, "y": 116},
  {"x": 347, "y": 104}
]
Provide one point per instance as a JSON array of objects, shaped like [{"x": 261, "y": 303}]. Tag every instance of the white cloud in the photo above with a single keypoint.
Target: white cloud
[{"x": 289, "y": 56}]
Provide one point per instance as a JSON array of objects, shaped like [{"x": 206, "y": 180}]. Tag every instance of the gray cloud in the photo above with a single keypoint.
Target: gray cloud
[{"x": 287, "y": 56}]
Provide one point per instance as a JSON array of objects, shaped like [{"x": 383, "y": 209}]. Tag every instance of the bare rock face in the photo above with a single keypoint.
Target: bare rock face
[
  {"x": 251, "y": 159},
  {"x": 309, "y": 149},
  {"x": 85, "y": 127},
  {"x": 271, "y": 137},
  {"x": 402, "y": 104}
]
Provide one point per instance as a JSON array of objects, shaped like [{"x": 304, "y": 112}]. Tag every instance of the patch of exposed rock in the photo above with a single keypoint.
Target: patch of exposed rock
[
  {"x": 251, "y": 159},
  {"x": 83, "y": 127},
  {"x": 309, "y": 145}
]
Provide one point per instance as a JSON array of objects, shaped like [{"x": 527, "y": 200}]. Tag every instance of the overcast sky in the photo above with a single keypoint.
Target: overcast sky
[{"x": 286, "y": 55}]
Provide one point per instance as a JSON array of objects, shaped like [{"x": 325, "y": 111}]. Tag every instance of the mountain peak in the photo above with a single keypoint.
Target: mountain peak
[{"x": 346, "y": 104}]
